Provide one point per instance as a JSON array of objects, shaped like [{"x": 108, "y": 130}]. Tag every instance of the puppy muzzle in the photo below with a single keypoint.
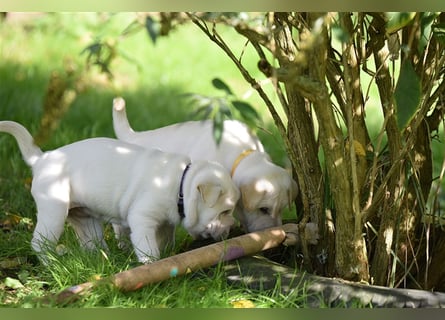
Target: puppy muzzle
[
  {"x": 216, "y": 230},
  {"x": 258, "y": 221}
]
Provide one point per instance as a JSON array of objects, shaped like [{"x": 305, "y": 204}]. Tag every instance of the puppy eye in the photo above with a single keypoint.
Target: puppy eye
[
  {"x": 264, "y": 210},
  {"x": 225, "y": 213}
]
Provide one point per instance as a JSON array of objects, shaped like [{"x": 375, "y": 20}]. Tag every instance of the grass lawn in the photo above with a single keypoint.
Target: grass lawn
[
  {"x": 31, "y": 52},
  {"x": 151, "y": 79}
]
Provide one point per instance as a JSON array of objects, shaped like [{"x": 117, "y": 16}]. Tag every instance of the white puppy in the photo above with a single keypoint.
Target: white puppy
[
  {"x": 103, "y": 179},
  {"x": 266, "y": 189}
]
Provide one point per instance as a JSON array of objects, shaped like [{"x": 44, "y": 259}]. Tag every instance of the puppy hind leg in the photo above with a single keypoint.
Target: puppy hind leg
[
  {"x": 121, "y": 234},
  {"x": 51, "y": 216},
  {"x": 88, "y": 229}
]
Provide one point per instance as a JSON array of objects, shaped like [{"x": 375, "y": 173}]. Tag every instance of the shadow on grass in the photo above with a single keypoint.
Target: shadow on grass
[
  {"x": 22, "y": 96},
  {"x": 24, "y": 88},
  {"x": 309, "y": 290}
]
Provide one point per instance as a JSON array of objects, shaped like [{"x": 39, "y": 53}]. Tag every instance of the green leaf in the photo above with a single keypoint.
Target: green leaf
[
  {"x": 221, "y": 85},
  {"x": 13, "y": 283},
  {"x": 152, "y": 28},
  {"x": 93, "y": 48},
  {"x": 218, "y": 127},
  {"x": 398, "y": 20},
  {"x": 201, "y": 113},
  {"x": 426, "y": 21},
  {"x": 247, "y": 112},
  {"x": 199, "y": 100},
  {"x": 224, "y": 109},
  {"x": 407, "y": 94},
  {"x": 132, "y": 28},
  {"x": 340, "y": 33},
  {"x": 223, "y": 106}
]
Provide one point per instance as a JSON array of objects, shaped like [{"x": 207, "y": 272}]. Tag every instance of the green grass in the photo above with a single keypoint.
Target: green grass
[{"x": 183, "y": 62}]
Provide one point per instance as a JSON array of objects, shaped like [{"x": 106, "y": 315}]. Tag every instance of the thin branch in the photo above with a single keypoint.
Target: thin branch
[
  {"x": 351, "y": 87},
  {"x": 216, "y": 38}
]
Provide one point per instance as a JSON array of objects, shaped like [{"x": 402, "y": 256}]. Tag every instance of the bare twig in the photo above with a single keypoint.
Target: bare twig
[{"x": 216, "y": 38}]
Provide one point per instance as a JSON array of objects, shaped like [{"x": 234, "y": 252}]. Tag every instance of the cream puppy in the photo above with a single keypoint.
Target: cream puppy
[
  {"x": 104, "y": 179},
  {"x": 266, "y": 189}
]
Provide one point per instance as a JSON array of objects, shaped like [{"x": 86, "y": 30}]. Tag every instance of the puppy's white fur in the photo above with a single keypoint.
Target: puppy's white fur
[
  {"x": 266, "y": 189},
  {"x": 103, "y": 179}
]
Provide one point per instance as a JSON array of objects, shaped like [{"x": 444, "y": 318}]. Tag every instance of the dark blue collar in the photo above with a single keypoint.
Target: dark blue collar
[{"x": 181, "y": 193}]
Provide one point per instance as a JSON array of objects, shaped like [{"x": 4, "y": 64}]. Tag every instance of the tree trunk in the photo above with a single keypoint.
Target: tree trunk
[
  {"x": 391, "y": 203},
  {"x": 351, "y": 259},
  {"x": 388, "y": 193},
  {"x": 411, "y": 231},
  {"x": 301, "y": 135}
]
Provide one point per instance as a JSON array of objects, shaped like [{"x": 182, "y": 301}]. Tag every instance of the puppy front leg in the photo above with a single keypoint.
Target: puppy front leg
[
  {"x": 143, "y": 238},
  {"x": 165, "y": 235}
]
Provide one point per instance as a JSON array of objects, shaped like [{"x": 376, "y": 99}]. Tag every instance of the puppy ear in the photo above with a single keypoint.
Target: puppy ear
[
  {"x": 251, "y": 196},
  {"x": 210, "y": 193}
]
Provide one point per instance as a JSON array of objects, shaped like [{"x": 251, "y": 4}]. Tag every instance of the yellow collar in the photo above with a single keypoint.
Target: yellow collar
[{"x": 242, "y": 155}]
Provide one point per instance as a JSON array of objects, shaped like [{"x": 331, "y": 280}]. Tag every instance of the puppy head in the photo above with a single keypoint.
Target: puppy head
[
  {"x": 263, "y": 199},
  {"x": 212, "y": 199}
]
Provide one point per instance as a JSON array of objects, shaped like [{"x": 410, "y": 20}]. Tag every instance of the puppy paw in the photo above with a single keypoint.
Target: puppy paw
[
  {"x": 124, "y": 245},
  {"x": 61, "y": 249},
  {"x": 147, "y": 260}
]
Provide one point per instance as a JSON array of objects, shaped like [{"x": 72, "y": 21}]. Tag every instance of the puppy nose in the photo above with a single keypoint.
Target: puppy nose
[
  {"x": 205, "y": 235},
  {"x": 225, "y": 234},
  {"x": 222, "y": 235}
]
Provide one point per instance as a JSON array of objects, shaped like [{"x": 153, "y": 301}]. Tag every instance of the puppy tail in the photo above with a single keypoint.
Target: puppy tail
[
  {"x": 122, "y": 128},
  {"x": 30, "y": 152}
]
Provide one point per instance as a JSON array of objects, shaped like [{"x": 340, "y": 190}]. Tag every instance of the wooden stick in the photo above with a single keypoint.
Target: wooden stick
[{"x": 193, "y": 260}]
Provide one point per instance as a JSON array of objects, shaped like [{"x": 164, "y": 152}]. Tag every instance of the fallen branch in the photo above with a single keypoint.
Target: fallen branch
[{"x": 193, "y": 260}]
